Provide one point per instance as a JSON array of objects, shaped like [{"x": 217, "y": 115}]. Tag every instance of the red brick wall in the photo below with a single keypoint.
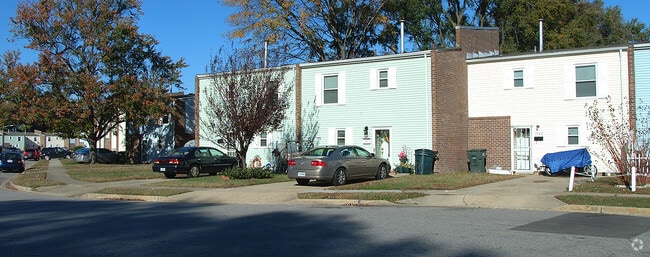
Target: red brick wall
[
  {"x": 492, "y": 134},
  {"x": 449, "y": 109},
  {"x": 477, "y": 39}
]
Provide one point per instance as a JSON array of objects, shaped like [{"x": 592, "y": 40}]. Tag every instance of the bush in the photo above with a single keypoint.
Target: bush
[{"x": 248, "y": 173}]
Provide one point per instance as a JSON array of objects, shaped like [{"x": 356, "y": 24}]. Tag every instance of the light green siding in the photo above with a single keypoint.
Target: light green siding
[{"x": 404, "y": 109}]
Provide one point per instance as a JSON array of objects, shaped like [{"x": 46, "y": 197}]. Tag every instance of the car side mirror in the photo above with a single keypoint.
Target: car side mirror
[{"x": 372, "y": 155}]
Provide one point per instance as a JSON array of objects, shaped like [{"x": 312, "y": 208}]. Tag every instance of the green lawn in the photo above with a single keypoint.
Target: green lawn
[{"x": 438, "y": 181}]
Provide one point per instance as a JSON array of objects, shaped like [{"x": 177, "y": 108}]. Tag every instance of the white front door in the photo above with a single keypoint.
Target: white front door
[{"x": 521, "y": 148}]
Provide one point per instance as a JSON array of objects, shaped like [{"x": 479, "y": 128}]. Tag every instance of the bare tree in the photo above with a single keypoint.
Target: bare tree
[
  {"x": 243, "y": 100},
  {"x": 621, "y": 143}
]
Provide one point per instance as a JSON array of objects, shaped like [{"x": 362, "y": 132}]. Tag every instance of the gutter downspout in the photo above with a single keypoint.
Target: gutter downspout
[{"x": 429, "y": 118}]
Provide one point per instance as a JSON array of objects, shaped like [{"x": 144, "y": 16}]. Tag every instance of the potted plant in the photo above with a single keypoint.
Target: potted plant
[{"x": 404, "y": 165}]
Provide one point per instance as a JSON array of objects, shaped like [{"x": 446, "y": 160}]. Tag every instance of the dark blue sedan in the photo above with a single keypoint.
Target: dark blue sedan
[{"x": 12, "y": 161}]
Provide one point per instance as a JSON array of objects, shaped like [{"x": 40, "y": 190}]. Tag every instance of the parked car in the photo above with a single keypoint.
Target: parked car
[
  {"x": 337, "y": 164},
  {"x": 49, "y": 153},
  {"x": 32, "y": 153},
  {"x": 193, "y": 161},
  {"x": 103, "y": 156},
  {"x": 12, "y": 161}
]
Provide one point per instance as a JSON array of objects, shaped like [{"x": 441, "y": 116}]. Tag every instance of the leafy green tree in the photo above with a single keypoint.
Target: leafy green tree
[
  {"x": 95, "y": 70},
  {"x": 311, "y": 30},
  {"x": 567, "y": 24}
]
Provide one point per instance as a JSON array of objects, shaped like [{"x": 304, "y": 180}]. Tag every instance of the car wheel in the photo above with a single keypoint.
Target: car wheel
[
  {"x": 47, "y": 158},
  {"x": 194, "y": 171},
  {"x": 339, "y": 177},
  {"x": 170, "y": 175},
  {"x": 67, "y": 156},
  {"x": 382, "y": 172},
  {"x": 302, "y": 181},
  {"x": 547, "y": 170}
]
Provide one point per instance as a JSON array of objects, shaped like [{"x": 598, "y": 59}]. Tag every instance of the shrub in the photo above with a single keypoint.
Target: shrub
[{"x": 248, "y": 173}]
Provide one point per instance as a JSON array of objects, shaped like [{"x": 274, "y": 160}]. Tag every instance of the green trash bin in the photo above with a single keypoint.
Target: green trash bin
[
  {"x": 476, "y": 160},
  {"x": 425, "y": 160}
]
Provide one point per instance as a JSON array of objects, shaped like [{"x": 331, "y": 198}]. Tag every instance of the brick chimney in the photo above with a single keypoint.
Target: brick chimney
[{"x": 477, "y": 39}]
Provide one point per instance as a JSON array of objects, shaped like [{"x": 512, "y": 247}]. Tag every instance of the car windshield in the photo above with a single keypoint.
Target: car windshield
[
  {"x": 324, "y": 151},
  {"x": 180, "y": 151}
]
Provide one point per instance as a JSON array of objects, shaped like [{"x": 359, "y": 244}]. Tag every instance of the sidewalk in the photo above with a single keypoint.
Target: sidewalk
[{"x": 531, "y": 192}]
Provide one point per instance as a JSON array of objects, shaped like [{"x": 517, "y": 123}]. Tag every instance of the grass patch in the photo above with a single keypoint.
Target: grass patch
[
  {"x": 143, "y": 191},
  {"x": 35, "y": 176},
  {"x": 638, "y": 202},
  {"x": 205, "y": 181},
  {"x": 108, "y": 172},
  {"x": 440, "y": 181},
  {"x": 607, "y": 185},
  {"x": 386, "y": 196}
]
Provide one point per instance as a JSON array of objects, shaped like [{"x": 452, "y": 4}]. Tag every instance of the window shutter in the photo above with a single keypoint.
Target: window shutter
[
  {"x": 318, "y": 89},
  {"x": 569, "y": 82},
  {"x": 392, "y": 77},
  {"x": 508, "y": 78},
  {"x": 341, "y": 89},
  {"x": 601, "y": 80},
  {"x": 331, "y": 136},
  {"x": 373, "y": 79},
  {"x": 562, "y": 134},
  {"x": 528, "y": 77},
  {"x": 348, "y": 136}
]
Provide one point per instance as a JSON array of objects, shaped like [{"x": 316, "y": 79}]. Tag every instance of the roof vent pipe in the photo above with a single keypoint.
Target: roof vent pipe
[
  {"x": 266, "y": 51},
  {"x": 541, "y": 35},
  {"x": 401, "y": 34}
]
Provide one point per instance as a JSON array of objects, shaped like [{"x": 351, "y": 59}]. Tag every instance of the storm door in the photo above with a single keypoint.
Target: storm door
[{"x": 521, "y": 148}]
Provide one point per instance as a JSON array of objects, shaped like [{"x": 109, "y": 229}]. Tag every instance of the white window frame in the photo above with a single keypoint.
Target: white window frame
[
  {"x": 570, "y": 81},
  {"x": 264, "y": 137},
  {"x": 518, "y": 78},
  {"x": 572, "y": 136},
  {"x": 526, "y": 78},
  {"x": 391, "y": 79},
  {"x": 593, "y": 80},
  {"x": 333, "y": 137},
  {"x": 319, "y": 88}
]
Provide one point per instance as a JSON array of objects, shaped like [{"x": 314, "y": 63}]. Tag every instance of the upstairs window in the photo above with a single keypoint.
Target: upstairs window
[
  {"x": 585, "y": 81},
  {"x": 330, "y": 89},
  {"x": 383, "y": 79},
  {"x": 519, "y": 78},
  {"x": 263, "y": 139}
]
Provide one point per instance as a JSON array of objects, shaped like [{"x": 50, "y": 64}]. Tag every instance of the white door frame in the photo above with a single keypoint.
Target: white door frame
[{"x": 522, "y": 148}]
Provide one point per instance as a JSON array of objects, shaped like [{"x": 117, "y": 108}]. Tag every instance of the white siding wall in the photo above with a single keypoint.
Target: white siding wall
[
  {"x": 543, "y": 100},
  {"x": 403, "y": 108}
]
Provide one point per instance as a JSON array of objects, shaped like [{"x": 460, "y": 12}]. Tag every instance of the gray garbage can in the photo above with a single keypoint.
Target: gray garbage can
[
  {"x": 477, "y": 160},
  {"x": 425, "y": 160}
]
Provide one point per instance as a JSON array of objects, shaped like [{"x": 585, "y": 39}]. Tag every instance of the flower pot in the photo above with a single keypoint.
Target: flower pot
[{"x": 401, "y": 169}]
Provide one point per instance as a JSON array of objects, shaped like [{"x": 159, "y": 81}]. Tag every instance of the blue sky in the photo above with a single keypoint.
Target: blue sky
[{"x": 195, "y": 29}]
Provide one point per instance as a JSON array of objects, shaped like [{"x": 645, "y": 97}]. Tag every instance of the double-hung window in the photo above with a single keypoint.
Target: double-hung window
[
  {"x": 383, "y": 79},
  {"x": 263, "y": 139},
  {"x": 340, "y": 137},
  {"x": 586, "y": 81},
  {"x": 330, "y": 89},
  {"x": 573, "y": 136},
  {"x": 519, "y": 78}
]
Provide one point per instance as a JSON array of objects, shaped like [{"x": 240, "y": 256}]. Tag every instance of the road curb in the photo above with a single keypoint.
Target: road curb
[
  {"x": 143, "y": 198},
  {"x": 606, "y": 210}
]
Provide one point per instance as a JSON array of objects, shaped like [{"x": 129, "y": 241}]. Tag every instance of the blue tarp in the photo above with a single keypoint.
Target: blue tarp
[{"x": 566, "y": 159}]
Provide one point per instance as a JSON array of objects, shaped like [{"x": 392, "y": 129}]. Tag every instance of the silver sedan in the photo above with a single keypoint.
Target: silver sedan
[{"x": 337, "y": 164}]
